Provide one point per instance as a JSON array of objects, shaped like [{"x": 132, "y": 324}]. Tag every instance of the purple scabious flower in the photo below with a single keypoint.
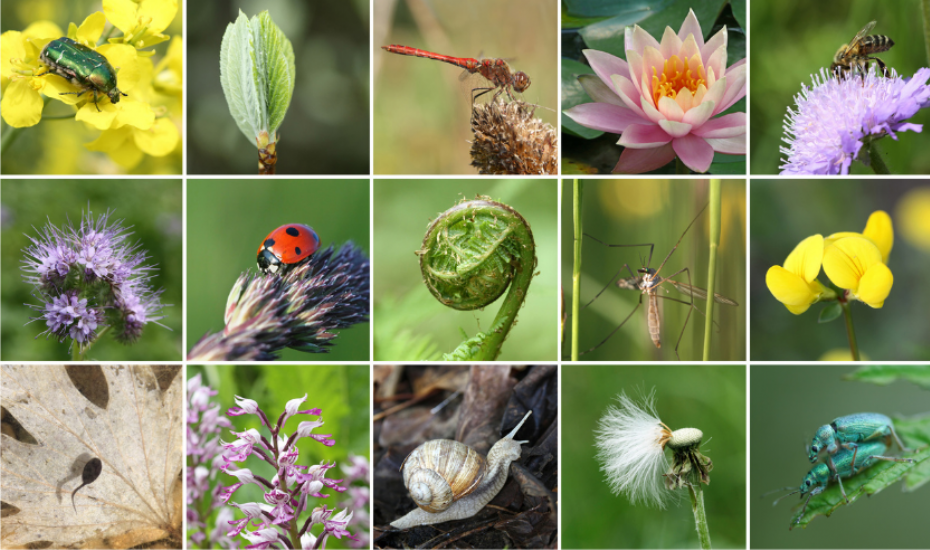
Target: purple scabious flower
[
  {"x": 835, "y": 117},
  {"x": 90, "y": 278}
]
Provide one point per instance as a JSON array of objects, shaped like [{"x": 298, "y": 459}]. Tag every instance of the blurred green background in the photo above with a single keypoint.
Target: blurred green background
[
  {"x": 422, "y": 109},
  {"x": 600, "y": 25},
  {"x": 341, "y": 391},
  {"x": 710, "y": 398},
  {"x": 656, "y": 211},
  {"x": 227, "y": 221},
  {"x": 326, "y": 127},
  {"x": 57, "y": 146},
  {"x": 789, "y": 403},
  {"x": 793, "y": 39},
  {"x": 411, "y": 324},
  {"x": 152, "y": 208},
  {"x": 788, "y": 211}
]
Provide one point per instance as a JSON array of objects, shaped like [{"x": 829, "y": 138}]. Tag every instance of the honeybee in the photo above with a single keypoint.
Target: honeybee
[{"x": 855, "y": 55}]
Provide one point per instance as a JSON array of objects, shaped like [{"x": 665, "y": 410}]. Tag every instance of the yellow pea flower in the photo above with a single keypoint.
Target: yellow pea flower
[
  {"x": 878, "y": 229},
  {"x": 855, "y": 264},
  {"x": 796, "y": 284}
]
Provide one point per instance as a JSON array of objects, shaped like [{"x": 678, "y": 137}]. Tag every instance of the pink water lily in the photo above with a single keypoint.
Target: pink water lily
[{"x": 663, "y": 98}]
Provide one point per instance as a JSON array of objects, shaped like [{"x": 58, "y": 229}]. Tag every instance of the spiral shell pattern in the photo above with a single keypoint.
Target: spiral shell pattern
[{"x": 439, "y": 472}]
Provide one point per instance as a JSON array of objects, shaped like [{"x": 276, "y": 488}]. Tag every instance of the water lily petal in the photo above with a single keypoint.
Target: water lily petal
[
  {"x": 717, "y": 40},
  {"x": 804, "y": 261},
  {"x": 875, "y": 285},
  {"x": 699, "y": 115},
  {"x": 696, "y": 153},
  {"x": 637, "y": 161},
  {"x": 670, "y": 109},
  {"x": 636, "y": 69},
  {"x": 598, "y": 91},
  {"x": 847, "y": 260},
  {"x": 606, "y": 65},
  {"x": 671, "y": 44},
  {"x": 736, "y": 87},
  {"x": 638, "y": 40},
  {"x": 629, "y": 95},
  {"x": 690, "y": 26},
  {"x": 650, "y": 111},
  {"x": 641, "y": 136},
  {"x": 690, "y": 49},
  {"x": 685, "y": 99},
  {"x": 603, "y": 117},
  {"x": 675, "y": 129},
  {"x": 729, "y": 146},
  {"x": 879, "y": 230},
  {"x": 718, "y": 61},
  {"x": 731, "y": 125}
]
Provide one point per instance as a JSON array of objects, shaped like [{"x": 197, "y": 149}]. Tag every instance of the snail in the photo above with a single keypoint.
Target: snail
[{"x": 449, "y": 480}]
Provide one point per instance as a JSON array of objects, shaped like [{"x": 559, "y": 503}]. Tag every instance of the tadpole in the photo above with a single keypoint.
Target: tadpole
[{"x": 90, "y": 474}]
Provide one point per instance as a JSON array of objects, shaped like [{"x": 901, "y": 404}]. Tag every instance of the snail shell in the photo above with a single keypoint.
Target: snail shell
[
  {"x": 439, "y": 472},
  {"x": 449, "y": 480}
]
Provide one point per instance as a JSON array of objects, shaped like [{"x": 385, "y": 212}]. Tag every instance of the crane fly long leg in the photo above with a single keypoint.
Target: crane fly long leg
[
  {"x": 698, "y": 292},
  {"x": 674, "y": 248},
  {"x": 650, "y": 245},
  {"x": 616, "y": 329},
  {"x": 611, "y": 283}
]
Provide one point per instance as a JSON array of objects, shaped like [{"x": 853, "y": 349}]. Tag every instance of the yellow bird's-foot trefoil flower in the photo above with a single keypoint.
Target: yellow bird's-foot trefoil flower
[
  {"x": 855, "y": 264},
  {"x": 796, "y": 284}
]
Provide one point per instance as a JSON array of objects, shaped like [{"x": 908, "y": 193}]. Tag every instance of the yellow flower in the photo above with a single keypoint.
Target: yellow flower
[
  {"x": 878, "y": 229},
  {"x": 841, "y": 355},
  {"x": 913, "y": 215},
  {"x": 141, "y": 20},
  {"x": 855, "y": 264},
  {"x": 22, "y": 103},
  {"x": 796, "y": 284}
]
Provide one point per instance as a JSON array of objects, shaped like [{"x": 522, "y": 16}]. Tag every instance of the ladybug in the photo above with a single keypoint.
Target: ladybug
[{"x": 286, "y": 247}]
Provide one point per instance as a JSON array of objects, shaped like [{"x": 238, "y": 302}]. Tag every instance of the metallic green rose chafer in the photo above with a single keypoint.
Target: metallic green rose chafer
[{"x": 82, "y": 67}]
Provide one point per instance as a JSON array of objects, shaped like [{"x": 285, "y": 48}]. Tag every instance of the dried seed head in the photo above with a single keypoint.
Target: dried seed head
[
  {"x": 685, "y": 437},
  {"x": 509, "y": 140}
]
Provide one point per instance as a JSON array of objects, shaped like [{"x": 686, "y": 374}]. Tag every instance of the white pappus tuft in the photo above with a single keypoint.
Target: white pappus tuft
[{"x": 631, "y": 441}]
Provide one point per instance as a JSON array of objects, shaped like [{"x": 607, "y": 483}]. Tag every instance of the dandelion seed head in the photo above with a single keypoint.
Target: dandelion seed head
[{"x": 630, "y": 439}]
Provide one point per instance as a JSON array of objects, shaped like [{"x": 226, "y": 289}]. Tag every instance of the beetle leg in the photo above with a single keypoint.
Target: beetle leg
[
  {"x": 842, "y": 490},
  {"x": 892, "y": 458},
  {"x": 898, "y": 440}
]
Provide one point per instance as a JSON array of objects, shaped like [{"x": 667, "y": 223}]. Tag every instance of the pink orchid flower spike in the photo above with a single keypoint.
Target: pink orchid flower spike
[{"x": 663, "y": 99}]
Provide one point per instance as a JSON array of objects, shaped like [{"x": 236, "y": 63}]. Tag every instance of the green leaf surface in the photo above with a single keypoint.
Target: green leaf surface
[
  {"x": 608, "y": 35},
  {"x": 829, "y": 313},
  {"x": 867, "y": 483},
  {"x": 728, "y": 164},
  {"x": 739, "y": 11},
  {"x": 612, "y": 8},
  {"x": 883, "y": 375},
  {"x": 257, "y": 72},
  {"x": 573, "y": 94}
]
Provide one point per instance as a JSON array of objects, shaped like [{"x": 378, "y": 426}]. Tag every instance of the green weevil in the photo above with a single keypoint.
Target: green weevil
[
  {"x": 847, "y": 465},
  {"x": 849, "y": 432},
  {"x": 82, "y": 67}
]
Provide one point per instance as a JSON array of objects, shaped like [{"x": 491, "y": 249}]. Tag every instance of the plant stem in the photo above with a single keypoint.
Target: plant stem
[
  {"x": 577, "y": 192},
  {"x": 680, "y": 167},
  {"x": 78, "y": 354},
  {"x": 712, "y": 263},
  {"x": 925, "y": 9},
  {"x": 875, "y": 159},
  {"x": 9, "y": 136},
  {"x": 850, "y": 331},
  {"x": 700, "y": 516}
]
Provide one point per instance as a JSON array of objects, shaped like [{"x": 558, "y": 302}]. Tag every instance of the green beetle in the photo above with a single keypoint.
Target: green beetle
[{"x": 82, "y": 67}]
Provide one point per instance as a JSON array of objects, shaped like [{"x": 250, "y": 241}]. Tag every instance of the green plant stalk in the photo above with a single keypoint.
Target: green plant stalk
[
  {"x": 850, "y": 331},
  {"x": 696, "y": 491},
  {"x": 712, "y": 263},
  {"x": 79, "y": 353},
  {"x": 875, "y": 159},
  {"x": 577, "y": 192},
  {"x": 925, "y": 11}
]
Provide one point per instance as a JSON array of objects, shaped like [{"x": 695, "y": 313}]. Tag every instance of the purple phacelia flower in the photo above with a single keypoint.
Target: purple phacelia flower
[
  {"x": 90, "y": 278},
  {"x": 835, "y": 117}
]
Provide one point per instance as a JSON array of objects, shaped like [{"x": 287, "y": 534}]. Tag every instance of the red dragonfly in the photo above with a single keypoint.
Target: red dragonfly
[{"x": 496, "y": 71}]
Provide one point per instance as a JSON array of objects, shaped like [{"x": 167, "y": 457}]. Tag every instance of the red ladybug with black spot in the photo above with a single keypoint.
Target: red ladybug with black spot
[{"x": 286, "y": 247}]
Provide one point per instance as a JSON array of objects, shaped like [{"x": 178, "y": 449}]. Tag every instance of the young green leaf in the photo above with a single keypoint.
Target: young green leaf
[
  {"x": 257, "y": 72},
  {"x": 868, "y": 482},
  {"x": 830, "y": 313},
  {"x": 882, "y": 375}
]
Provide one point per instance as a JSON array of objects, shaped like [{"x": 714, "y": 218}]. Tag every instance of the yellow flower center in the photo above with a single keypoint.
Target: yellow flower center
[{"x": 677, "y": 75}]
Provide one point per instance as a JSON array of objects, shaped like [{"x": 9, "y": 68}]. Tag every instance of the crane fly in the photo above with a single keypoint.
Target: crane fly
[{"x": 648, "y": 282}]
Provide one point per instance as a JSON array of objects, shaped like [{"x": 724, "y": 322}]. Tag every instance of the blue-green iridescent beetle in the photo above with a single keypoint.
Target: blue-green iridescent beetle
[
  {"x": 849, "y": 432},
  {"x": 82, "y": 67},
  {"x": 847, "y": 463}
]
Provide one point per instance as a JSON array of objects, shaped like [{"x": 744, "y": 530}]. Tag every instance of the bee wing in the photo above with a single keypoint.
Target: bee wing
[{"x": 862, "y": 34}]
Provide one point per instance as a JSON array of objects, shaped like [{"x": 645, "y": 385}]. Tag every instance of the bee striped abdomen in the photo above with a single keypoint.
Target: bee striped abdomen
[{"x": 876, "y": 43}]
